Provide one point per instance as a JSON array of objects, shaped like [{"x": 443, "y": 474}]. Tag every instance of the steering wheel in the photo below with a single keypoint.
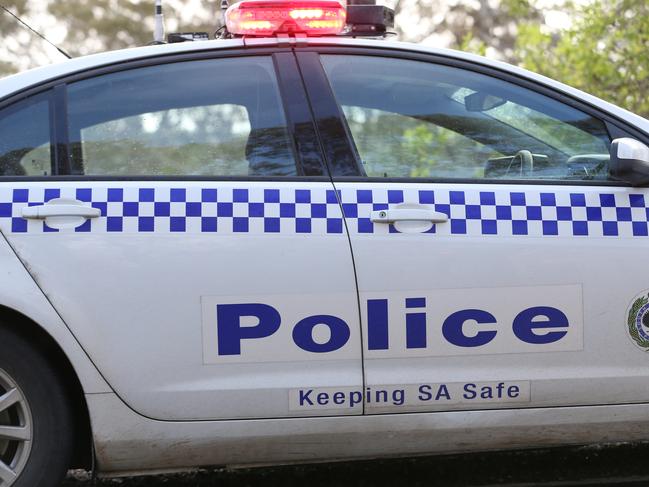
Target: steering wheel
[{"x": 526, "y": 163}]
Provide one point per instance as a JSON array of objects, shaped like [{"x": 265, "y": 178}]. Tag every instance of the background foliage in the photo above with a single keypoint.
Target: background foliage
[{"x": 603, "y": 48}]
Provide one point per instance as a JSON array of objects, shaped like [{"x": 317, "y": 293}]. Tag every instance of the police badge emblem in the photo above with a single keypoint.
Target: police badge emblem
[{"x": 638, "y": 321}]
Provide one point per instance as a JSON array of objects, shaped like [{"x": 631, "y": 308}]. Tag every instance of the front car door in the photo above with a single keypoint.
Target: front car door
[
  {"x": 497, "y": 264},
  {"x": 198, "y": 256}
]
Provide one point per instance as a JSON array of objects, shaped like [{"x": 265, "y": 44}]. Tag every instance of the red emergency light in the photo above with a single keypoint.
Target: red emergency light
[{"x": 270, "y": 17}]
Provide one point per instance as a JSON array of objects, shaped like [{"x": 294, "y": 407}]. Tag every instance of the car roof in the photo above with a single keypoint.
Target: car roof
[{"x": 18, "y": 82}]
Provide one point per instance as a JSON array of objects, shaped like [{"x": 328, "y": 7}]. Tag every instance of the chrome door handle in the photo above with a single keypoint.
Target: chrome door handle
[
  {"x": 53, "y": 209},
  {"x": 408, "y": 215}
]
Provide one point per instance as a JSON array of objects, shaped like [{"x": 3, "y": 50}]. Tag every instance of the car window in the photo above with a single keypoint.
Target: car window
[
  {"x": 421, "y": 120},
  {"x": 25, "y": 138},
  {"x": 219, "y": 117}
]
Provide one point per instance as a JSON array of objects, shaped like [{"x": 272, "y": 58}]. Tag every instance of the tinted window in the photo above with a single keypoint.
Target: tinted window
[
  {"x": 416, "y": 119},
  {"x": 25, "y": 138},
  {"x": 204, "y": 118}
]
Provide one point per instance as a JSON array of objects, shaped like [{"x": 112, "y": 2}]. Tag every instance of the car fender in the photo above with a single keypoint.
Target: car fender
[{"x": 19, "y": 292}]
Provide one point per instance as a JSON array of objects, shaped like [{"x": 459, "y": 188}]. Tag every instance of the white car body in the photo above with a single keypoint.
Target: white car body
[{"x": 160, "y": 397}]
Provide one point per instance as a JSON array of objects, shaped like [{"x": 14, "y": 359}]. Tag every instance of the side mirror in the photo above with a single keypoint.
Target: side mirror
[
  {"x": 629, "y": 161},
  {"x": 481, "y": 102}
]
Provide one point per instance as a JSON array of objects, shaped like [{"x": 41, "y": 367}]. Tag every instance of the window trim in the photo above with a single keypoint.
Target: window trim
[
  {"x": 60, "y": 136},
  {"x": 615, "y": 126}
]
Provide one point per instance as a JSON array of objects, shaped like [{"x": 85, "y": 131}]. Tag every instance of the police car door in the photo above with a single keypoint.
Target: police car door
[
  {"x": 495, "y": 260},
  {"x": 198, "y": 256}
]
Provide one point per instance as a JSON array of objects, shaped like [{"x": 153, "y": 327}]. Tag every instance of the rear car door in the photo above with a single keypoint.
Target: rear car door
[
  {"x": 497, "y": 264},
  {"x": 182, "y": 223}
]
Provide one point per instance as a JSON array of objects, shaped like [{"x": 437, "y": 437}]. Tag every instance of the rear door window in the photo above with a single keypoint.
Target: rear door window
[{"x": 221, "y": 117}]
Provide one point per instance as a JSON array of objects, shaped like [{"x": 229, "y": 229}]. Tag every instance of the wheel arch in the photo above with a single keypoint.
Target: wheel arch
[{"x": 27, "y": 328}]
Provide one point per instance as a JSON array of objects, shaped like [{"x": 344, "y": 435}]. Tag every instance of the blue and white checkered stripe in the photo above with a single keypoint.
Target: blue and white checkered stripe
[
  {"x": 562, "y": 212},
  {"x": 305, "y": 209},
  {"x": 192, "y": 209}
]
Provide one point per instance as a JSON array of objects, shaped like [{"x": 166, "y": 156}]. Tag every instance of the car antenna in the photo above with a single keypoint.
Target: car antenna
[
  {"x": 35, "y": 31},
  {"x": 159, "y": 30}
]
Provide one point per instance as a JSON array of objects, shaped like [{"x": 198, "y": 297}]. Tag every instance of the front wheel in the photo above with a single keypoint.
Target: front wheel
[{"x": 36, "y": 428}]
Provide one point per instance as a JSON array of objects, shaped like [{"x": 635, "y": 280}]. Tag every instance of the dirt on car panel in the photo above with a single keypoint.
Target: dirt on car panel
[{"x": 619, "y": 464}]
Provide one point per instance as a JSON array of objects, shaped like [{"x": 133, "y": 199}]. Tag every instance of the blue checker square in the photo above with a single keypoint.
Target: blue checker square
[
  {"x": 178, "y": 195},
  {"x": 364, "y": 196},
  {"x": 593, "y": 214},
  {"x": 161, "y": 208},
  {"x": 131, "y": 208},
  {"x": 224, "y": 209},
  {"x": 18, "y": 225},
  {"x": 519, "y": 227},
  {"x": 623, "y": 214},
  {"x": 446, "y": 209},
  {"x": 640, "y": 229},
  {"x": 146, "y": 224},
  {"x": 209, "y": 224},
  {"x": 193, "y": 209},
  {"x": 577, "y": 199},
  {"x": 425, "y": 198},
  {"x": 85, "y": 227},
  {"x": 302, "y": 196},
  {"x": 331, "y": 197},
  {"x": 487, "y": 198},
  {"x": 365, "y": 225},
  {"x": 534, "y": 213},
  {"x": 550, "y": 228},
  {"x": 177, "y": 224},
  {"x": 240, "y": 195},
  {"x": 350, "y": 210},
  {"x": 303, "y": 225},
  {"x": 240, "y": 225},
  {"x": 5, "y": 210},
  {"x": 114, "y": 224},
  {"x": 579, "y": 228},
  {"x": 564, "y": 213},
  {"x": 51, "y": 194},
  {"x": 489, "y": 227},
  {"x": 548, "y": 199},
  {"x": 115, "y": 194},
  {"x": 209, "y": 195},
  {"x": 637, "y": 200},
  {"x": 47, "y": 229},
  {"x": 84, "y": 194},
  {"x": 380, "y": 206},
  {"x": 146, "y": 195},
  {"x": 101, "y": 206},
  {"x": 517, "y": 199},
  {"x": 396, "y": 196},
  {"x": 473, "y": 212},
  {"x": 271, "y": 196},
  {"x": 456, "y": 197},
  {"x": 334, "y": 225},
  {"x": 271, "y": 225},
  {"x": 503, "y": 212},
  {"x": 256, "y": 210},
  {"x": 287, "y": 210},
  {"x": 20, "y": 196},
  {"x": 607, "y": 200},
  {"x": 458, "y": 226},
  {"x": 318, "y": 210},
  {"x": 610, "y": 228}
]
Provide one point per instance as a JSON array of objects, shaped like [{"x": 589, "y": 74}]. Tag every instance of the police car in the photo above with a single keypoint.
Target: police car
[{"x": 299, "y": 244}]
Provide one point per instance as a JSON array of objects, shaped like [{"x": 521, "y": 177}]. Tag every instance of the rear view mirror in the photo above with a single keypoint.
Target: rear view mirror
[
  {"x": 481, "y": 102},
  {"x": 629, "y": 161}
]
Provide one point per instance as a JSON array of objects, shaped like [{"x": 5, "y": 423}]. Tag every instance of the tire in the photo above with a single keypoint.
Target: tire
[{"x": 39, "y": 402}]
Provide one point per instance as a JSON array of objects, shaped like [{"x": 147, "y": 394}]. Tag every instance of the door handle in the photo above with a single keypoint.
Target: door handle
[
  {"x": 408, "y": 215},
  {"x": 53, "y": 209}
]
